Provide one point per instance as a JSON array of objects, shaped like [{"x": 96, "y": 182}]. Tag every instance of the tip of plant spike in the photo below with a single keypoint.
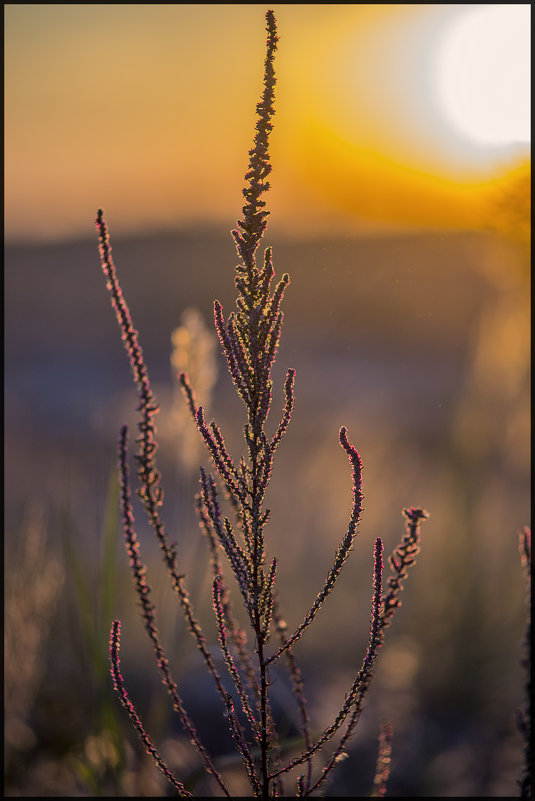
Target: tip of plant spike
[{"x": 414, "y": 513}]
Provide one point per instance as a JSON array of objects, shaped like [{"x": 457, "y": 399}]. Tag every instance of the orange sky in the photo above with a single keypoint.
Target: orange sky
[{"x": 148, "y": 111}]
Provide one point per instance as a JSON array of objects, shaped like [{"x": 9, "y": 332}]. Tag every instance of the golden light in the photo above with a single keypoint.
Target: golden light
[
  {"x": 372, "y": 126},
  {"x": 483, "y": 74}
]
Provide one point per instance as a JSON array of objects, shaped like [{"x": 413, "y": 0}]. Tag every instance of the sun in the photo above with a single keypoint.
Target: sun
[{"x": 483, "y": 74}]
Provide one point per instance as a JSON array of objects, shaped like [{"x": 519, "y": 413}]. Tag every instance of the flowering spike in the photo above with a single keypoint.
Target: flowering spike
[
  {"x": 249, "y": 340},
  {"x": 342, "y": 552},
  {"x": 222, "y": 632},
  {"x": 118, "y": 684},
  {"x": 355, "y": 696},
  {"x": 403, "y": 557}
]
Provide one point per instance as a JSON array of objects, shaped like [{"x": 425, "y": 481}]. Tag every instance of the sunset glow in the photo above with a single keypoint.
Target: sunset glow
[
  {"x": 147, "y": 111},
  {"x": 483, "y": 74}
]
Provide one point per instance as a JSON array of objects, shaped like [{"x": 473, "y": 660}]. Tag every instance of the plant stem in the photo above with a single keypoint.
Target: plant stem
[{"x": 263, "y": 711}]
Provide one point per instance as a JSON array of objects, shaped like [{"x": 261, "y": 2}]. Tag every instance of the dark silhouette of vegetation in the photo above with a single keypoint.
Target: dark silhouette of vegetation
[{"x": 235, "y": 527}]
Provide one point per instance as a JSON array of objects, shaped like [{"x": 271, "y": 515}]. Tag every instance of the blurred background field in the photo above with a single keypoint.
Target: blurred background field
[
  {"x": 412, "y": 332},
  {"x": 413, "y": 344}
]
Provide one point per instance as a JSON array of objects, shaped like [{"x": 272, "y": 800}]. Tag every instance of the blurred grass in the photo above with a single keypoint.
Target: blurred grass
[{"x": 101, "y": 764}]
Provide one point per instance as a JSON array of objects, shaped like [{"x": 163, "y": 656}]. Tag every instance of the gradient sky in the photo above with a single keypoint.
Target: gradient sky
[{"x": 148, "y": 112}]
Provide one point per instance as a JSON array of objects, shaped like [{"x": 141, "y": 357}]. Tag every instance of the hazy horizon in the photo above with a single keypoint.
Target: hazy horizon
[{"x": 148, "y": 112}]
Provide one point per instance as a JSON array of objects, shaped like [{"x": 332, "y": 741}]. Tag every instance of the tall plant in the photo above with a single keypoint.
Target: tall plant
[{"x": 249, "y": 339}]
